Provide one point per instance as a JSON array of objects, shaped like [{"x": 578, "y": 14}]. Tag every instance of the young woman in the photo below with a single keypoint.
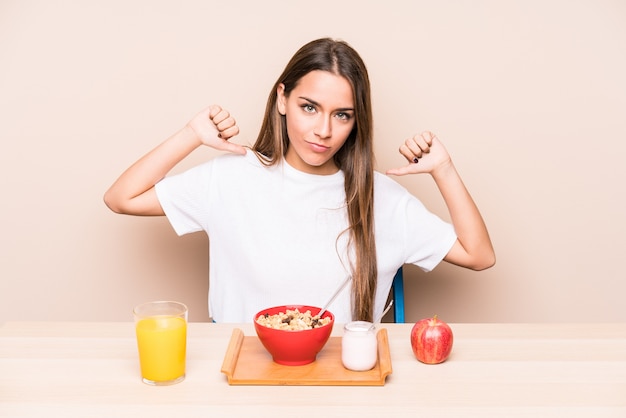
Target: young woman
[{"x": 302, "y": 209}]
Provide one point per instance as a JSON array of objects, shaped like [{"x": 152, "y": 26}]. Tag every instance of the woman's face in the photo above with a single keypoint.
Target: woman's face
[{"x": 320, "y": 116}]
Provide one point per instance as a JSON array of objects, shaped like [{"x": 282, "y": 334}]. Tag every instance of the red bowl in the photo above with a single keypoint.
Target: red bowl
[{"x": 297, "y": 347}]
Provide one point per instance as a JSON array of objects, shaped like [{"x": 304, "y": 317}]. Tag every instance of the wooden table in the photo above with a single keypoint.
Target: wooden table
[{"x": 50, "y": 369}]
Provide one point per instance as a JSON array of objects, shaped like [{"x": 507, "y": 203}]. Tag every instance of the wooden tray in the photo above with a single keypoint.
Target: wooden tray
[{"x": 247, "y": 362}]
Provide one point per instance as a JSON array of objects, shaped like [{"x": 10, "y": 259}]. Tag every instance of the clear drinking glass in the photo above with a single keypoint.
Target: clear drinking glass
[{"x": 161, "y": 329}]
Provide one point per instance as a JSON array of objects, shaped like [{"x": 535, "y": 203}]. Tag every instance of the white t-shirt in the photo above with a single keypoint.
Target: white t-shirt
[{"x": 275, "y": 234}]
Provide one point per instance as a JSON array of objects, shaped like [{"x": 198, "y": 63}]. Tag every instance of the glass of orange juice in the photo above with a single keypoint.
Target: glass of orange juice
[{"x": 162, "y": 341}]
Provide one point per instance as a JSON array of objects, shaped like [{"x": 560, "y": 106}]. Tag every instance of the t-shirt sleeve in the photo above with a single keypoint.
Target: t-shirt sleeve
[
  {"x": 428, "y": 237},
  {"x": 423, "y": 237},
  {"x": 184, "y": 198}
]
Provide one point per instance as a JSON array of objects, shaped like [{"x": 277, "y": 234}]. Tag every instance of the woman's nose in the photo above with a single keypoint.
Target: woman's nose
[{"x": 323, "y": 129}]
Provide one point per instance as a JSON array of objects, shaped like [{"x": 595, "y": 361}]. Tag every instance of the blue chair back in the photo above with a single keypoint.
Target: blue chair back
[{"x": 397, "y": 290}]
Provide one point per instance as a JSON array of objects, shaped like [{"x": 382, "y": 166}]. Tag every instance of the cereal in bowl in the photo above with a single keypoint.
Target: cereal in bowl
[{"x": 292, "y": 320}]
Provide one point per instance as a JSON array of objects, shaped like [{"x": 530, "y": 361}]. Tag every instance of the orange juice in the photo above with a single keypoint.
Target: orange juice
[{"x": 162, "y": 346}]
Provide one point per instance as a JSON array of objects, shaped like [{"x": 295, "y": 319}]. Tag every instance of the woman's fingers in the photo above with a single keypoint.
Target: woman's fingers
[
  {"x": 224, "y": 122},
  {"x": 424, "y": 153},
  {"x": 414, "y": 148},
  {"x": 227, "y": 132},
  {"x": 214, "y": 127}
]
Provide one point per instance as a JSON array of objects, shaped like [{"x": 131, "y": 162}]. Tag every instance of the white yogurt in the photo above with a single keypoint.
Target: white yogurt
[{"x": 359, "y": 348}]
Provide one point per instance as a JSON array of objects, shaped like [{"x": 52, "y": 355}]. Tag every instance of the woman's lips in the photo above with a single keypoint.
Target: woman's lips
[{"x": 318, "y": 147}]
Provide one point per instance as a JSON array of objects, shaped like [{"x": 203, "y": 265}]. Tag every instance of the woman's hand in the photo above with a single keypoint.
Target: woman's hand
[
  {"x": 473, "y": 248},
  {"x": 424, "y": 153},
  {"x": 214, "y": 127},
  {"x": 133, "y": 192}
]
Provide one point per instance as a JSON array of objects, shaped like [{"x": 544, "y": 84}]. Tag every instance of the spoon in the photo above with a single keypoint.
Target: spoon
[
  {"x": 380, "y": 318},
  {"x": 345, "y": 282}
]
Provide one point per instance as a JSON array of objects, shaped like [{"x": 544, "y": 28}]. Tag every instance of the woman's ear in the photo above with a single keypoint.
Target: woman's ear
[{"x": 281, "y": 100}]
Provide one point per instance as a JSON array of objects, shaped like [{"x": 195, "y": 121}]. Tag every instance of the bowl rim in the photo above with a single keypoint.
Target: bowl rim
[{"x": 326, "y": 314}]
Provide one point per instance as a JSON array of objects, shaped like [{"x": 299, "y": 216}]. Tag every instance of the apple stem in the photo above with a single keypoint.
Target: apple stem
[{"x": 435, "y": 319}]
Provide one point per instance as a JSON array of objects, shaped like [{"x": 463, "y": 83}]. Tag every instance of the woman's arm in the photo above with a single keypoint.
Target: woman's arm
[
  {"x": 426, "y": 154},
  {"x": 133, "y": 192}
]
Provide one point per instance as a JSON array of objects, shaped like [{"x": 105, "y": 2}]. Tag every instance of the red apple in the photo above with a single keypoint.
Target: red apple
[{"x": 431, "y": 340}]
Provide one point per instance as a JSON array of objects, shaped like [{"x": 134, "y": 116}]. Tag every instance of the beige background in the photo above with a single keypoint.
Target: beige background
[{"x": 528, "y": 96}]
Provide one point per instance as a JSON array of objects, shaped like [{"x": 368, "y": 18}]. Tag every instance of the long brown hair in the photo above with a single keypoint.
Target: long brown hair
[{"x": 355, "y": 158}]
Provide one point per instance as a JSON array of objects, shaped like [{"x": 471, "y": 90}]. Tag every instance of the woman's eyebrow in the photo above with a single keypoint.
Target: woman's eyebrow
[{"x": 313, "y": 102}]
